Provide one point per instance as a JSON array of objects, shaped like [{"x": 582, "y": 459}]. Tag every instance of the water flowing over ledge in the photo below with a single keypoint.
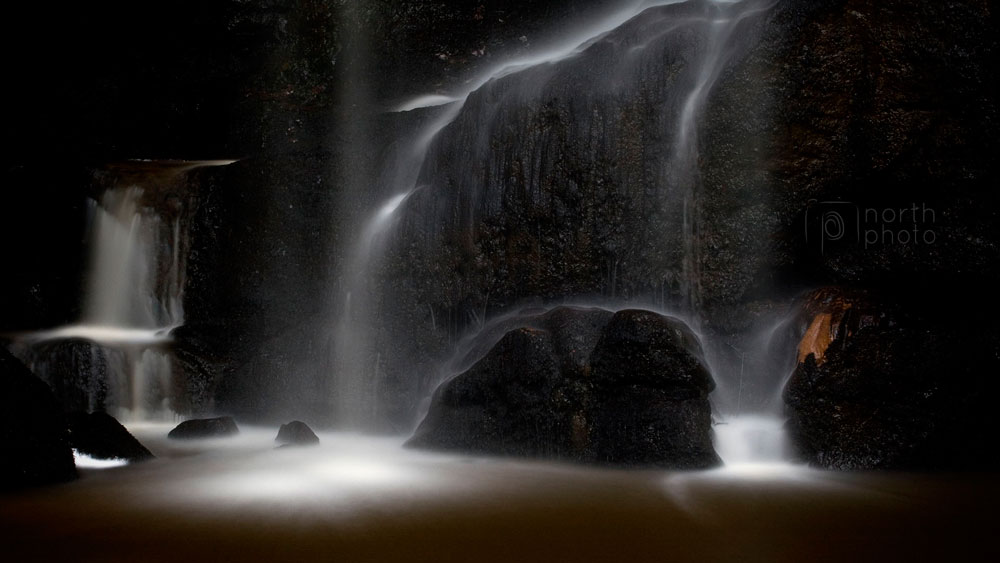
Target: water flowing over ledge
[
  {"x": 134, "y": 295},
  {"x": 437, "y": 190}
]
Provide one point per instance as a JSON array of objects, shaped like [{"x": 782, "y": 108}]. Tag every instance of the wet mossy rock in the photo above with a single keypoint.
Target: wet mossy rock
[
  {"x": 219, "y": 427},
  {"x": 32, "y": 430},
  {"x": 879, "y": 386},
  {"x": 531, "y": 396},
  {"x": 296, "y": 433},
  {"x": 101, "y": 436}
]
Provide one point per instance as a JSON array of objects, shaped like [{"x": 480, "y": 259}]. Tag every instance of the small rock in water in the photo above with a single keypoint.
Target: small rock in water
[
  {"x": 205, "y": 428},
  {"x": 296, "y": 433},
  {"x": 100, "y": 436}
]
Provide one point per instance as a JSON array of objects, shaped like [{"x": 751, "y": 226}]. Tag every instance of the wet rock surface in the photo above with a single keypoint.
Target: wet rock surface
[
  {"x": 219, "y": 427},
  {"x": 880, "y": 387},
  {"x": 530, "y": 397},
  {"x": 99, "y": 435},
  {"x": 32, "y": 430},
  {"x": 296, "y": 433},
  {"x": 651, "y": 349},
  {"x": 76, "y": 370},
  {"x": 542, "y": 189},
  {"x": 651, "y": 384}
]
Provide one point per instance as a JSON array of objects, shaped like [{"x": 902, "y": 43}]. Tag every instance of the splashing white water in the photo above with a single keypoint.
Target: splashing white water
[
  {"x": 84, "y": 461},
  {"x": 750, "y": 439},
  {"x": 106, "y": 334}
]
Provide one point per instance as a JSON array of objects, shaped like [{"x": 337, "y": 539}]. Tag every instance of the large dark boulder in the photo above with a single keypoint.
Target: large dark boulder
[
  {"x": 196, "y": 428},
  {"x": 639, "y": 398},
  {"x": 101, "y": 436},
  {"x": 32, "y": 430},
  {"x": 651, "y": 386},
  {"x": 645, "y": 347},
  {"x": 296, "y": 433},
  {"x": 504, "y": 405},
  {"x": 881, "y": 387}
]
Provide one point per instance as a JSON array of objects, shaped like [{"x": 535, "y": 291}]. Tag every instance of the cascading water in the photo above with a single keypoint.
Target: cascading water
[
  {"x": 357, "y": 382},
  {"x": 132, "y": 288},
  {"x": 461, "y": 173},
  {"x": 119, "y": 353},
  {"x": 749, "y": 429},
  {"x": 130, "y": 285},
  {"x": 355, "y": 386},
  {"x": 682, "y": 170},
  {"x": 355, "y": 363}
]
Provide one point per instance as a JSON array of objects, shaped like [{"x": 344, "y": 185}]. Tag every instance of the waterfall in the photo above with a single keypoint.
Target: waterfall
[
  {"x": 355, "y": 384},
  {"x": 118, "y": 356},
  {"x": 354, "y": 361},
  {"x": 137, "y": 272},
  {"x": 749, "y": 411},
  {"x": 451, "y": 175}
]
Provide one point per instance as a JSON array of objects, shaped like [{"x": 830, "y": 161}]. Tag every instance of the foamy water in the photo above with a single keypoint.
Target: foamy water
[{"x": 355, "y": 498}]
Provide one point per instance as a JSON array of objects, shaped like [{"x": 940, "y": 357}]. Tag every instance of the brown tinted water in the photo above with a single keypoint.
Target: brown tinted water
[{"x": 358, "y": 499}]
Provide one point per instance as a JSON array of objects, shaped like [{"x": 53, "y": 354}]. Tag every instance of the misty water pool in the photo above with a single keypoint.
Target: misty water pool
[{"x": 355, "y": 498}]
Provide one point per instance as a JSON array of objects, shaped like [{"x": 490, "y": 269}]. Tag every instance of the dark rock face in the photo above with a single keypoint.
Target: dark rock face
[
  {"x": 600, "y": 213},
  {"x": 100, "y": 435},
  {"x": 32, "y": 430},
  {"x": 880, "y": 388},
  {"x": 532, "y": 396},
  {"x": 76, "y": 370},
  {"x": 542, "y": 189},
  {"x": 45, "y": 258},
  {"x": 296, "y": 433},
  {"x": 833, "y": 108},
  {"x": 252, "y": 323},
  {"x": 205, "y": 428},
  {"x": 551, "y": 185}
]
